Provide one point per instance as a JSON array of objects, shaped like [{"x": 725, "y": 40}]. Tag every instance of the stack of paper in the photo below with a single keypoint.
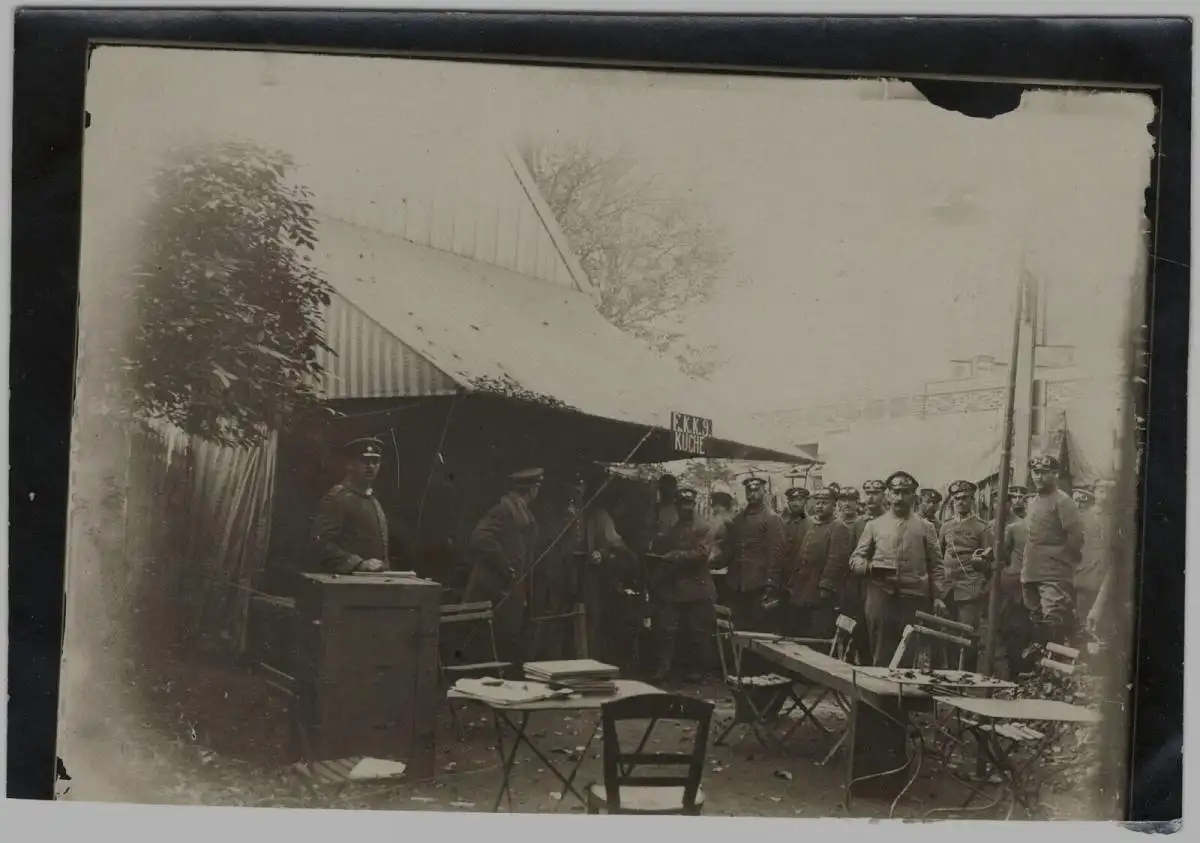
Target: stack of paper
[
  {"x": 582, "y": 676},
  {"x": 501, "y": 692}
]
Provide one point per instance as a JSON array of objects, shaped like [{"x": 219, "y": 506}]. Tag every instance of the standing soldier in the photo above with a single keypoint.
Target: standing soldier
[
  {"x": 965, "y": 566},
  {"x": 930, "y": 501},
  {"x": 848, "y": 510},
  {"x": 1014, "y": 627},
  {"x": 1052, "y": 554},
  {"x": 794, "y": 518},
  {"x": 753, "y": 554},
  {"x": 815, "y": 571},
  {"x": 685, "y": 591},
  {"x": 854, "y": 591},
  {"x": 350, "y": 530},
  {"x": 501, "y": 550},
  {"x": 1097, "y": 546},
  {"x": 898, "y": 554}
]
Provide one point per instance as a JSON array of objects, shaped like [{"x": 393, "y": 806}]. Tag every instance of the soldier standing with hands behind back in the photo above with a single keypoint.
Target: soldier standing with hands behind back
[{"x": 1053, "y": 546}]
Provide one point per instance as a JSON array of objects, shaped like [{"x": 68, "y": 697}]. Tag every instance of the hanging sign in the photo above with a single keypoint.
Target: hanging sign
[{"x": 691, "y": 433}]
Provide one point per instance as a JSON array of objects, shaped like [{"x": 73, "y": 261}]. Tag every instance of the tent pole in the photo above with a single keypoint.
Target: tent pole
[{"x": 1002, "y": 506}]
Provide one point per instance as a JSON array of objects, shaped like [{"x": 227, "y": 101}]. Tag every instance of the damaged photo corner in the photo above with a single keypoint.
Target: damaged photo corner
[{"x": 478, "y": 311}]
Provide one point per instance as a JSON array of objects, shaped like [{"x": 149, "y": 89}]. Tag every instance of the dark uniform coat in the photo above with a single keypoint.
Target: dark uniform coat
[
  {"x": 501, "y": 549},
  {"x": 684, "y": 570},
  {"x": 818, "y": 562},
  {"x": 753, "y": 550},
  {"x": 1055, "y": 539},
  {"x": 349, "y": 527}
]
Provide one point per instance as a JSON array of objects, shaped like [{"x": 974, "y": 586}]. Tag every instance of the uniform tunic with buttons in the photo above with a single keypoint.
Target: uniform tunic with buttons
[
  {"x": 754, "y": 548},
  {"x": 906, "y": 545},
  {"x": 349, "y": 527},
  {"x": 963, "y": 578},
  {"x": 818, "y": 563},
  {"x": 685, "y": 576},
  {"x": 1054, "y": 541}
]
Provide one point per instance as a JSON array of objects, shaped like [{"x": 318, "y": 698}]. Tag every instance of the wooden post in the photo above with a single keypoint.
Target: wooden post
[{"x": 1002, "y": 508}]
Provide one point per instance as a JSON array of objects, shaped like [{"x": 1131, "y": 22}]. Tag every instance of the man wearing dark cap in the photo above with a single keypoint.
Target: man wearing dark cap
[
  {"x": 753, "y": 554},
  {"x": 929, "y": 504},
  {"x": 815, "y": 571},
  {"x": 965, "y": 565},
  {"x": 350, "y": 530},
  {"x": 848, "y": 505},
  {"x": 898, "y": 555},
  {"x": 684, "y": 592},
  {"x": 794, "y": 517},
  {"x": 1052, "y": 554},
  {"x": 501, "y": 550}
]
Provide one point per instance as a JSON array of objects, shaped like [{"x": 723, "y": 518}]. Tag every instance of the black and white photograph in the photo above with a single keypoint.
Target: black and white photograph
[{"x": 474, "y": 436}]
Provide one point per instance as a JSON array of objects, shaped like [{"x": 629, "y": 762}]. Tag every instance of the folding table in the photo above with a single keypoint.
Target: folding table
[
  {"x": 999, "y": 727},
  {"x": 505, "y": 716}
]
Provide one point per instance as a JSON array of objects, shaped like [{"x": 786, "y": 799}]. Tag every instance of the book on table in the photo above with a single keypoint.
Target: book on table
[{"x": 582, "y": 676}]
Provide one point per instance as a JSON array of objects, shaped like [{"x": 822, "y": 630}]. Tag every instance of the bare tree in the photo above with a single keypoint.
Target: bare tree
[{"x": 650, "y": 253}]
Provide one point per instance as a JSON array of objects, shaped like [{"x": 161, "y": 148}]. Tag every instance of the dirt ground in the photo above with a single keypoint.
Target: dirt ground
[{"x": 211, "y": 735}]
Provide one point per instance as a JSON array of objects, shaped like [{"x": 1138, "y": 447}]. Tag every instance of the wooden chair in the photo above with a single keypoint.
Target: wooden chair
[
  {"x": 474, "y": 618},
  {"x": 934, "y": 628},
  {"x": 755, "y": 697},
  {"x": 675, "y": 790}
]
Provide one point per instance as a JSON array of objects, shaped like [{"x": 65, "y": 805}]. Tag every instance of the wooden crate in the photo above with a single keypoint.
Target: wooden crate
[{"x": 366, "y": 668}]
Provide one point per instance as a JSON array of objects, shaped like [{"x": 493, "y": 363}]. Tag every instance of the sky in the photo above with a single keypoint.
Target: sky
[{"x": 871, "y": 240}]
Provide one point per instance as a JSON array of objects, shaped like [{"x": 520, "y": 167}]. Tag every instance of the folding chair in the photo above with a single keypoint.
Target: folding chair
[
  {"x": 937, "y": 629},
  {"x": 841, "y": 647},
  {"x": 676, "y": 790},
  {"x": 754, "y": 696},
  {"x": 455, "y": 617}
]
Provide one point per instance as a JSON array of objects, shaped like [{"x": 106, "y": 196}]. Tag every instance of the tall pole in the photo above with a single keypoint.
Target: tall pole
[{"x": 1002, "y": 510}]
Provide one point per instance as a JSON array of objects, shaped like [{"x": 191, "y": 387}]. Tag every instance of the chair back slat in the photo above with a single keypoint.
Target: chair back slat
[
  {"x": 728, "y": 652},
  {"x": 620, "y": 766},
  {"x": 481, "y": 614},
  {"x": 937, "y": 621},
  {"x": 450, "y": 609}
]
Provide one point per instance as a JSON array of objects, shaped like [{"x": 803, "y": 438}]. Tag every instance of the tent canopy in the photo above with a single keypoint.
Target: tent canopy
[{"x": 492, "y": 330}]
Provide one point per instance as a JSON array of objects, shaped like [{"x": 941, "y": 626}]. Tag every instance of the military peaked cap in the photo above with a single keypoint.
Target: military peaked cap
[{"x": 367, "y": 446}]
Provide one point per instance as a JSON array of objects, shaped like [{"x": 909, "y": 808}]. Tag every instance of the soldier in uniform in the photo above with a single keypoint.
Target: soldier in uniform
[
  {"x": 501, "y": 550},
  {"x": 1097, "y": 546},
  {"x": 930, "y": 501},
  {"x": 898, "y": 554},
  {"x": 848, "y": 504},
  {"x": 1015, "y": 628},
  {"x": 815, "y": 571},
  {"x": 854, "y": 591},
  {"x": 794, "y": 518},
  {"x": 350, "y": 530},
  {"x": 965, "y": 565},
  {"x": 685, "y": 591},
  {"x": 1052, "y": 554},
  {"x": 752, "y": 552}
]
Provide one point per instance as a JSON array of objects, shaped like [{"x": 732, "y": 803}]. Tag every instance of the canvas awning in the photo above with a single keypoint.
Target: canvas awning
[{"x": 490, "y": 330}]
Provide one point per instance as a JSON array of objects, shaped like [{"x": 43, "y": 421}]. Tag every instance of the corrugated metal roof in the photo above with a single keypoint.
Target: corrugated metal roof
[{"x": 477, "y": 322}]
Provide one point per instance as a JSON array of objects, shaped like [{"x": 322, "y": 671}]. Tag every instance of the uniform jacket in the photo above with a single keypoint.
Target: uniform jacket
[
  {"x": 818, "y": 562},
  {"x": 683, "y": 573},
  {"x": 501, "y": 550},
  {"x": 960, "y": 575},
  {"x": 348, "y": 528},
  {"x": 1097, "y": 552},
  {"x": 753, "y": 550},
  {"x": 1055, "y": 539},
  {"x": 793, "y": 532},
  {"x": 906, "y": 544},
  {"x": 1015, "y": 535}
]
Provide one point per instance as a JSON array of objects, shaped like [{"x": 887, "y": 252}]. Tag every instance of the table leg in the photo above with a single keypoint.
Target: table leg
[{"x": 501, "y": 720}]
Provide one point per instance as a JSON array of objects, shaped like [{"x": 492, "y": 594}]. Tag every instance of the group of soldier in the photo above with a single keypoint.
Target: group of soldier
[{"x": 878, "y": 556}]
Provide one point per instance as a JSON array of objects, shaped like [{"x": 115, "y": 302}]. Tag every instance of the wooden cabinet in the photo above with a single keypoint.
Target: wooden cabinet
[{"x": 366, "y": 667}]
